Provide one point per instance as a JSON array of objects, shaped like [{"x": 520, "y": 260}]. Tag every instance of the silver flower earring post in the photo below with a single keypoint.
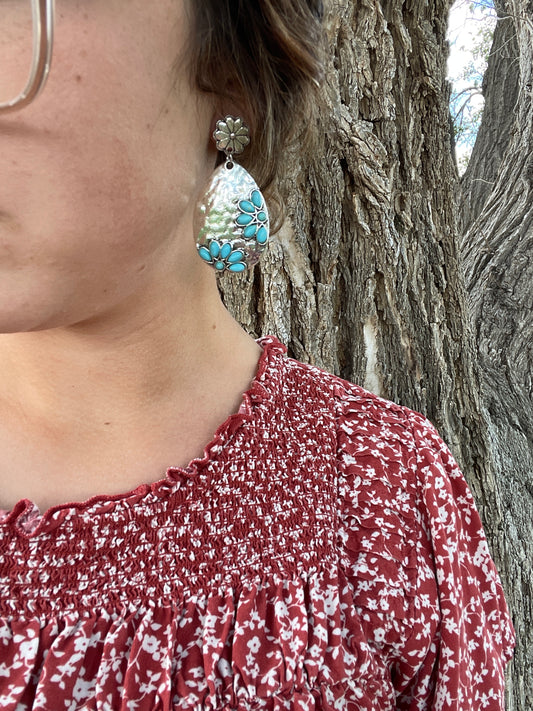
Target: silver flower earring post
[{"x": 231, "y": 221}]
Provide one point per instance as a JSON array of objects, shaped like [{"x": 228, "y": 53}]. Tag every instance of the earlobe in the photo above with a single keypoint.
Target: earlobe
[{"x": 230, "y": 103}]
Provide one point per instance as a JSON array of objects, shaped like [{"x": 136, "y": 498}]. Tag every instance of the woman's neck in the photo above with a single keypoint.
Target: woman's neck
[
  {"x": 125, "y": 365},
  {"x": 101, "y": 407}
]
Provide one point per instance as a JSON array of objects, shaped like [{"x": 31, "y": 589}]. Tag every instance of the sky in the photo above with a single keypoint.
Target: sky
[
  {"x": 462, "y": 26},
  {"x": 465, "y": 21}
]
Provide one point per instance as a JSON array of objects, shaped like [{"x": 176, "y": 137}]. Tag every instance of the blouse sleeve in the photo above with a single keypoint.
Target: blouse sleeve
[
  {"x": 463, "y": 667},
  {"x": 424, "y": 586}
]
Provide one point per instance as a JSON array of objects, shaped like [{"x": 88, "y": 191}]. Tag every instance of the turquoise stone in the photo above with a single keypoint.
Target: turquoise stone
[
  {"x": 246, "y": 206},
  {"x": 250, "y": 231},
  {"x": 244, "y": 219},
  {"x": 225, "y": 251},
  {"x": 262, "y": 235},
  {"x": 230, "y": 194},
  {"x": 204, "y": 254},
  {"x": 214, "y": 249},
  {"x": 236, "y": 256}
]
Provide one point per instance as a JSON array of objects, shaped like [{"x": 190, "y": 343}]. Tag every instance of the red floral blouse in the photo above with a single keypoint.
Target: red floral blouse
[{"x": 325, "y": 553}]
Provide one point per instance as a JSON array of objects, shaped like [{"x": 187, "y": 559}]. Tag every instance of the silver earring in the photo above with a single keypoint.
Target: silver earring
[{"x": 231, "y": 221}]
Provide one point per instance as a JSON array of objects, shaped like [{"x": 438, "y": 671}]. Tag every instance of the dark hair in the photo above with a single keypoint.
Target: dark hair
[{"x": 265, "y": 55}]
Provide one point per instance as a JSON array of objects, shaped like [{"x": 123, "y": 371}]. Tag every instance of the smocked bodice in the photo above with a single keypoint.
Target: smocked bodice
[{"x": 325, "y": 553}]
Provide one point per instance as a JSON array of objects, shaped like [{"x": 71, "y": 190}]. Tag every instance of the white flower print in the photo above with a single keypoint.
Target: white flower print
[
  {"x": 325, "y": 532},
  {"x": 254, "y": 644}
]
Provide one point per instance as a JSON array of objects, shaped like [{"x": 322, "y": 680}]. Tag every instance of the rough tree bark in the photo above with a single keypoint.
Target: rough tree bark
[
  {"x": 497, "y": 211},
  {"x": 364, "y": 278},
  {"x": 500, "y": 92}
]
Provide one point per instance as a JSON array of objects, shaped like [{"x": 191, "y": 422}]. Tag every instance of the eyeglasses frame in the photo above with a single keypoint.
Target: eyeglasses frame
[{"x": 43, "y": 41}]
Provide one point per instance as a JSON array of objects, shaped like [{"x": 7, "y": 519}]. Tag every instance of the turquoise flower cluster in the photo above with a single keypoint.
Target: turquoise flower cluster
[
  {"x": 236, "y": 254},
  {"x": 253, "y": 218},
  {"x": 221, "y": 256}
]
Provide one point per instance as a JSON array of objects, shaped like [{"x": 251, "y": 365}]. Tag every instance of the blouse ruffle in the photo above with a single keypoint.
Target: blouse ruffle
[{"x": 325, "y": 553}]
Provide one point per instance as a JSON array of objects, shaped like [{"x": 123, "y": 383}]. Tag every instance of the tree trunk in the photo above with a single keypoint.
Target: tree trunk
[
  {"x": 500, "y": 91},
  {"x": 497, "y": 250},
  {"x": 364, "y": 278}
]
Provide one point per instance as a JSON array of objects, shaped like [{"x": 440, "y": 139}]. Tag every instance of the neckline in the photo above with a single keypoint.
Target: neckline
[{"x": 28, "y": 520}]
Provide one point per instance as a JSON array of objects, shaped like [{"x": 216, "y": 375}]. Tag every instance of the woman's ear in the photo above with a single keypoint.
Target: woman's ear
[
  {"x": 216, "y": 155},
  {"x": 231, "y": 104}
]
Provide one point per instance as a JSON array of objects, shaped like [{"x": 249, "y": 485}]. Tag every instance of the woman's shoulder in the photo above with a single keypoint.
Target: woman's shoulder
[
  {"x": 413, "y": 548},
  {"x": 356, "y": 411}
]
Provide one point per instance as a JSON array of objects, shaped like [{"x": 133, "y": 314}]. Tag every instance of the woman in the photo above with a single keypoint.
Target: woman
[{"x": 323, "y": 550}]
